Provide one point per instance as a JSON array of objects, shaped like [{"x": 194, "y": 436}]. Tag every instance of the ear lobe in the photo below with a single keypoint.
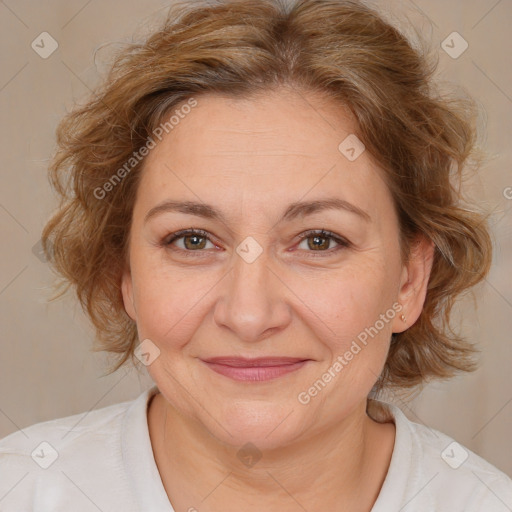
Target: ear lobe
[
  {"x": 127, "y": 291},
  {"x": 415, "y": 278}
]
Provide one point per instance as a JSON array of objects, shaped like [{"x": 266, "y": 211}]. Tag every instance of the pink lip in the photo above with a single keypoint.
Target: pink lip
[{"x": 254, "y": 370}]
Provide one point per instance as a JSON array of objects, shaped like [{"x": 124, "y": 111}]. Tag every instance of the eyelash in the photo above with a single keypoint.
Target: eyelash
[{"x": 342, "y": 243}]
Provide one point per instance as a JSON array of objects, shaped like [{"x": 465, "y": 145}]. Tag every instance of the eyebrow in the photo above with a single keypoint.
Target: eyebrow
[{"x": 294, "y": 210}]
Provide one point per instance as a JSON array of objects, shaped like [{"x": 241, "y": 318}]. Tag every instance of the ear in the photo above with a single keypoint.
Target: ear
[
  {"x": 127, "y": 291},
  {"x": 413, "y": 283}
]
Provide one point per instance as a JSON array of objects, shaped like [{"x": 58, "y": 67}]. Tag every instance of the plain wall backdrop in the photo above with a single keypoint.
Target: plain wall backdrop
[{"x": 47, "y": 370}]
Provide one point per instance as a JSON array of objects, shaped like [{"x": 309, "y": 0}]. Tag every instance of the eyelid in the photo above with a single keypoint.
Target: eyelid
[
  {"x": 342, "y": 242},
  {"x": 188, "y": 232},
  {"x": 323, "y": 233}
]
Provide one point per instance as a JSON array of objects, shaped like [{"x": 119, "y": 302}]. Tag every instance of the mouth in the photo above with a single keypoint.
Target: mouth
[{"x": 254, "y": 370}]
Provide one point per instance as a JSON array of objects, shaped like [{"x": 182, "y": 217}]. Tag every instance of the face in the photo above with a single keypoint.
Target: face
[{"x": 258, "y": 278}]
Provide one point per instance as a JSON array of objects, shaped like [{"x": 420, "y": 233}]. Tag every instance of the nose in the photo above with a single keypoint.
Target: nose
[{"x": 253, "y": 303}]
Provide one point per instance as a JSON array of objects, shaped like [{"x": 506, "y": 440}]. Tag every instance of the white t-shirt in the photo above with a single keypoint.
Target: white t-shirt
[{"x": 103, "y": 460}]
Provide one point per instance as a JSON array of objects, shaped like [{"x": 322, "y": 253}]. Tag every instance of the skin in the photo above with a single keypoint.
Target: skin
[{"x": 251, "y": 158}]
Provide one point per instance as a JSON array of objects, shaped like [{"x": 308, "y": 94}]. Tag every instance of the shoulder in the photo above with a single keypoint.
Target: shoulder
[
  {"x": 67, "y": 432},
  {"x": 63, "y": 460},
  {"x": 442, "y": 473},
  {"x": 460, "y": 475}
]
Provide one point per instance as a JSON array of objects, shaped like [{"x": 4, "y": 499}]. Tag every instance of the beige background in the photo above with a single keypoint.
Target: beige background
[{"x": 46, "y": 368}]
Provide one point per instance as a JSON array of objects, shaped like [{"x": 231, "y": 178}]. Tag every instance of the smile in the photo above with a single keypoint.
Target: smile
[{"x": 254, "y": 370}]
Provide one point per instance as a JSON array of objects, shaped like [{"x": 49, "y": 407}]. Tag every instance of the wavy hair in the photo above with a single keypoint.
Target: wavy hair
[{"x": 342, "y": 49}]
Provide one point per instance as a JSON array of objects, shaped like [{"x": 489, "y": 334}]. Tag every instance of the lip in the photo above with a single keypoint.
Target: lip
[{"x": 254, "y": 369}]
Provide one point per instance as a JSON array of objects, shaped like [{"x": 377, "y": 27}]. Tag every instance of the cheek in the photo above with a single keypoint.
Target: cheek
[
  {"x": 344, "y": 304},
  {"x": 352, "y": 326},
  {"x": 170, "y": 303}
]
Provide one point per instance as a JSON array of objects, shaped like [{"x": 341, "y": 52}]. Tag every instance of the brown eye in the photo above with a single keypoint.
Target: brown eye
[
  {"x": 193, "y": 240},
  {"x": 322, "y": 241},
  {"x": 318, "y": 242}
]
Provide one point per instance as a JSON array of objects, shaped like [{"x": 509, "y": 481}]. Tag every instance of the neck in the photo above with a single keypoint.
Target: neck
[{"x": 340, "y": 468}]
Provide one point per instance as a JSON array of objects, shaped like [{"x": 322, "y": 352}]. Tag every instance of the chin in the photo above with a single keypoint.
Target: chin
[{"x": 267, "y": 426}]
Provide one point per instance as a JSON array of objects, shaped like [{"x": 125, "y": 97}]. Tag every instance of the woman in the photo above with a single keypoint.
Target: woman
[{"x": 259, "y": 205}]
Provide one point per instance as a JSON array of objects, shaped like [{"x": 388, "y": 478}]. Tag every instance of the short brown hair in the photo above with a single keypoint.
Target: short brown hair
[{"x": 341, "y": 49}]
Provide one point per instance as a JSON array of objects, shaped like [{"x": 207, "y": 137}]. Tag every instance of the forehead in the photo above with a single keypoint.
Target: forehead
[
  {"x": 283, "y": 122},
  {"x": 263, "y": 150}
]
